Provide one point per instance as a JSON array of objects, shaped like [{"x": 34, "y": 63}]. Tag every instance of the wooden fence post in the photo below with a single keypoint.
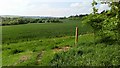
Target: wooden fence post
[{"x": 76, "y": 36}]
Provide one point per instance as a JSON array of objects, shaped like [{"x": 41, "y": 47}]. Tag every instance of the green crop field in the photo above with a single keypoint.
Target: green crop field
[{"x": 37, "y": 31}]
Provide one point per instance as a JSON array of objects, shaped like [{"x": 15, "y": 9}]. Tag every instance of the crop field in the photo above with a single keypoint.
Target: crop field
[
  {"x": 12, "y": 34},
  {"x": 52, "y": 44}
]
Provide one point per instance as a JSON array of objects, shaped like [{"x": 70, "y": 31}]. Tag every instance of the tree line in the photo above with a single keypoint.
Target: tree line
[
  {"x": 22, "y": 20},
  {"x": 26, "y": 20}
]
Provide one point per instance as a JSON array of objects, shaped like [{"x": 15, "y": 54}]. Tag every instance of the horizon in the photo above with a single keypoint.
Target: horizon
[{"x": 42, "y": 16}]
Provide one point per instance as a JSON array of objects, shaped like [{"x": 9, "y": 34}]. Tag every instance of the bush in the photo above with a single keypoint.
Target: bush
[{"x": 106, "y": 28}]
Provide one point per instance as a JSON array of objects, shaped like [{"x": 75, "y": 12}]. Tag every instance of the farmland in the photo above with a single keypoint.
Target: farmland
[{"x": 13, "y": 34}]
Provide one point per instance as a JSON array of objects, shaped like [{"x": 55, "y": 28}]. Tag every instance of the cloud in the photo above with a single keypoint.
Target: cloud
[
  {"x": 75, "y": 5},
  {"x": 61, "y": 0},
  {"x": 46, "y": 10},
  {"x": 103, "y": 7},
  {"x": 81, "y": 7},
  {"x": 12, "y": 6},
  {"x": 46, "y": 7}
]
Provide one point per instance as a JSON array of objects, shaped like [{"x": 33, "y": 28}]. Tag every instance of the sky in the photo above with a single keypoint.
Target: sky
[{"x": 58, "y": 8}]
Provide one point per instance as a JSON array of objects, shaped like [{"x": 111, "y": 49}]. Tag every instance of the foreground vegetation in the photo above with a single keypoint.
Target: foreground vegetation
[{"x": 61, "y": 51}]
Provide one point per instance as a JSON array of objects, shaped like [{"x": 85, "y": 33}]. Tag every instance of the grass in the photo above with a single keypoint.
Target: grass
[
  {"x": 36, "y": 46},
  {"x": 85, "y": 54}
]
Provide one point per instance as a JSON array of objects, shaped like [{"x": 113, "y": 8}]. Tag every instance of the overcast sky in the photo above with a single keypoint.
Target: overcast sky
[{"x": 47, "y": 7}]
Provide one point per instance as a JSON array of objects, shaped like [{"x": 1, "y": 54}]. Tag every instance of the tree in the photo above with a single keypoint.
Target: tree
[
  {"x": 106, "y": 27},
  {"x": 93, "y": 5}
]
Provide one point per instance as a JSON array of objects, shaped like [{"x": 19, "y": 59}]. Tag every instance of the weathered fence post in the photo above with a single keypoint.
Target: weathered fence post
[{"x": 76, "y": 36}]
